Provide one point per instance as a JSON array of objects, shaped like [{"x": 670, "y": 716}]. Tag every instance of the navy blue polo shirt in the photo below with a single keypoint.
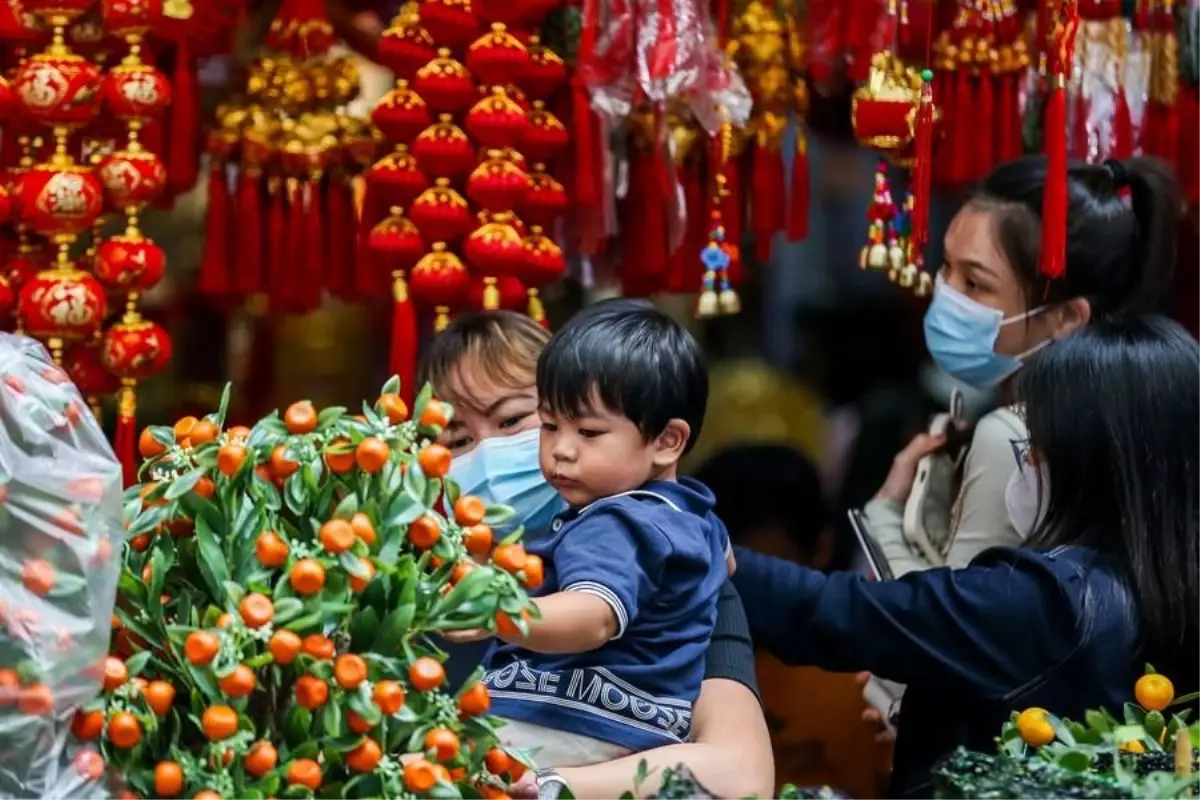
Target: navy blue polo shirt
[{"x": 657, "y": 556}]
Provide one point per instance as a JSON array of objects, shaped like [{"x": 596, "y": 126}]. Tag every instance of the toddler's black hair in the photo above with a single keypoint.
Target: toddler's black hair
[{"x": 638, "y": 361}]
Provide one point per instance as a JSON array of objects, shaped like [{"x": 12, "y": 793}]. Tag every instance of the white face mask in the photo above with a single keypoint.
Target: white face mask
[{"x": 1026, "y": 499}]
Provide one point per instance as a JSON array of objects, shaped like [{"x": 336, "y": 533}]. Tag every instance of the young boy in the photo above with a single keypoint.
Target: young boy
[{"x": 633, "y": 567}]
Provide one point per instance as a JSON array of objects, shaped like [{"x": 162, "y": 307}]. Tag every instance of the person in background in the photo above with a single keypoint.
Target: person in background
[
  {"x": 1108, "y": 485},
  {"x": 770, "y": 498},
  {"x": 484, "y": 364}
]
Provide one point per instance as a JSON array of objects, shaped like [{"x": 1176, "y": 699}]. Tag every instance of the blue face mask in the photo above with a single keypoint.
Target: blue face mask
[
  {"x": 961, "y": 336},
  {"x": 504, "y": 470}
]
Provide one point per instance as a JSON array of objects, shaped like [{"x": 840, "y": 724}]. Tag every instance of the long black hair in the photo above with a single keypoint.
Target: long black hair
[
  {"x": 1114, "y": 420},
  {"x": 1121, "y": 231}
]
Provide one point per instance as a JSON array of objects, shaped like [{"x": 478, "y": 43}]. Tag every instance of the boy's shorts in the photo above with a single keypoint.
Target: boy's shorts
[{"x": 552, "y": 749}]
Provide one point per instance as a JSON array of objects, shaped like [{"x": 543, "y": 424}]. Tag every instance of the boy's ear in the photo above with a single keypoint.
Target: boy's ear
[{"x": 671, "y": 443}]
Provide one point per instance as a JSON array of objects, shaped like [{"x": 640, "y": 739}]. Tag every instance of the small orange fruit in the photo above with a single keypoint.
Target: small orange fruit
[
  {"x": 271, "y": 550},
  {"x": 140, "y": 542},
  {"x": 284, "y": 646},
  {"x": 87, "y": 725},
  {"x": 434, "y": 460},
  {"x": 10, "y": 685},
  {"x": 461, "y": 570},
  {"x": 168, "y": 779},
  {"x": 225, "y": 620},
  {"x": 365, "y": 757},
  {"x": 148, "y": 446},
  {"x": 238, "y": 433},
  {"x": 389, "y": 696},
  {"x": 419, "y": 776},
  {"x": 261, "y": 759},
  {"x": 506, "y": 627},
  {"x": 509, "y": 557},
  {"x": 304, "y": 772},
  {"x": 474, "y": 700},
  {"x": 300, "y": 417},
  {"x": 497, "y": 761},
  {"x": 339, "y": 456},
  {"x": 363, "y": 529},
  {"x": 201, "y": 647},
  {"x": 280, "y": 465},
  {"x": 534, "y": 572},
  {"x": 183, "y": 429},
  {"x": 240, "y": 682},
  {"x": 205, "y": 488},
  {"x": 219, "y": 722},
  {"x": 337, "y": 536},
  {"x": 124, "y": 730},
  {"x": 318, "y": 646},
  {"x": 1154, "y": 692},
  {"x": 206, "y": 794},
  {"x": 350, "y": 671},
  {"x": 371, "y": 454},
  {"x": 115, "y": 673},
  {"x": 39, "y": 576},
  {"x": 159, "y": 696},
  {"x": 426, "y": 674},
  {"x": 311, "y": 691},
  {"x": 256, "y": 610},
  {"x": 469, "y": 510},
  {"x": 307, "y": 576},
  {"x": 424, "y": 532},
  {"x": 202, "y": 432},
  {"x": 357, "y": 724},
  {"x": 230, "y": 458},
  {"x": 478, "y": 540},
  {"x": 393, "y": 406},
  {"x": 1034, "y": 727},
  {"x": 358, "y": 583},
  {"x": 443, "y": 742},
  {"x": 434, "y": 415}
]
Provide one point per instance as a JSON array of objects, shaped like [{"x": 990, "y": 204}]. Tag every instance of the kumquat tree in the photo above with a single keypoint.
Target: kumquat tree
[{"x": 273, "y": 614}]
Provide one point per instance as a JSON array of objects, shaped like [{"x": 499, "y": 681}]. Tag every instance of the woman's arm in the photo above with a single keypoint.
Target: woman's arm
[{"x": 983, "y": 519}]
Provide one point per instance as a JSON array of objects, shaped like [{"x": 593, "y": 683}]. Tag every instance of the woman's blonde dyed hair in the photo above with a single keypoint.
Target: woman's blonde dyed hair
[{"x": 504, "y": 345}]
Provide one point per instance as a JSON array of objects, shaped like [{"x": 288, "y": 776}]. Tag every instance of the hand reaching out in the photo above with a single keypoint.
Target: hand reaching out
[
  {"x": 466, "y": 636},
  {"x": 872, "y": 717},
  {"x": 899, "y": 482}
]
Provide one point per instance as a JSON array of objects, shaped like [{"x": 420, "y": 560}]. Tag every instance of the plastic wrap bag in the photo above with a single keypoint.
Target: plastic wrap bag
[{"x": 60, "y": 539}]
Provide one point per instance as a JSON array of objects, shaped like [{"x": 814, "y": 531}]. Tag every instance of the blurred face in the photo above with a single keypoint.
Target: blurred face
[{"x": 484, "y": 408}]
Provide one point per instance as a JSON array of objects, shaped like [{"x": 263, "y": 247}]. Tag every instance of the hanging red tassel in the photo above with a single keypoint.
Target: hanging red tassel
[
  {"x": 294, "y": 261},
  {"x": 1080, "y": 145},
  {"x": 313, "y": 242},
  {"x": 403, "y": 352},
  {"x": 769, "y": 198},
  {"x": 126, "y": 435},
  {"x": 248, "y": 275},
  {"x": 276, "y": 282},
  {"x": 645, "y": 226},
  {"x": 183, "y": 163},
  {"x": 339, "y": 245},
  {"x": 1054, "y": 203},
  {"x": 1122, "y": 128},
  {"x": 682, "y": 275},
  {"x": 963, "y": 127},
  {"x": 368, "y": 274},
  {"x": 797, "y": 223},
  {"x": 1188, "y": 166},
  {"x": 214, "y": 267},
  {"x": 923, "y": 165},
  {"x": 985, "y": 145}
]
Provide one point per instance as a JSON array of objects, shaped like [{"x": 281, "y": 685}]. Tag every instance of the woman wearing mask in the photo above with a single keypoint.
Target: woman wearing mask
[
  {"x": 1108, "y": 580},
  {"x": 992, "y": 312},
  {"x": 484, "y": 365}
]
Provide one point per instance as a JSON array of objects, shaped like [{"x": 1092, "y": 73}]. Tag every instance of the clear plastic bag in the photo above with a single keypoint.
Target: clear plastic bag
[{"x": 60, "y": 539}]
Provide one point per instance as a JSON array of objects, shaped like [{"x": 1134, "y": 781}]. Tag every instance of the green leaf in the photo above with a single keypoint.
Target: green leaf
[
  {"x": 402, "y": 509},
  {"x": 415, "y": 484},
  {"x": 184, "y": 484},
  {"x": 498, "y": 515},
  {"x": 1074, "y": 760},
  {"x": 234, "y": 593},
  {"x": 331, "y": 719},
  {"x": 305, "y": 623},
  {"x": 287, "y": 609},
  {"x": 1097, "y": 721},
  {"x": 1061, "y": 731},
  {"x": 347, "y": 508},
  {"x": 297, "y": 726},
  {"x": 1150, "y": 670},
  {"x": 267, "y": 493},
  {"x": 223, "y": 407},
  {"x": 360, "y": 703},
  {"x": 1190, "y": 697},
  {"x": 148, "y": 520},
  {"x": 136, "y": 663},
  {"x": 445, "y": 791},
  {"x": 453, "y": 492},
  {"x": 163, "y": 434},
  {"x": 353, "y": 565},
  {"x": 295, "y": 493},
  {"x": 391, "y": 385},
  {"x": 213, "y": 567},
  {"x": 1134, "y": 714},
  {"x": 423, "y": 398},
  {"x": 330, "y": 415},
  {"x": 394, "y": 628}
]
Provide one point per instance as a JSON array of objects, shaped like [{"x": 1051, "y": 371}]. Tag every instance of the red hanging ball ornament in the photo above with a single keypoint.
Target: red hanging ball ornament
[
  {"x": 545, "y": 136},
  {"x": 544, "y": 262},
  {"x": 544, "y": 73},
  {"x": 496, "y": 121},
  {"x": 497, "y": 184},
  {"x": 405, "y": 48},
  {"x": 397, "y": 240},
  {"x": 494, "y": 248},
  {"x": 132, "y": 178},
  {"x": 544, "y": 202},
  {"x": 451, "y": 23},
  {"x": 62, "y": 303},
  {"x": 129, "y": 262},
  {"x": 55, "y": 199},
  {"x": 439, "y": 279},
  {"x": 441, "y": 214},
  {"x": 496, "y": 57},
  {"x": 508, "y": 292},
  {"x": 87, "y": 371},
  {"x": 445, "y": 84},
  {"x": 59, "y": 89},
  {"x": 135, "y": 348},
  {"x": 443, "y": 149},
  {"x": 401, "y": 114},
  {"x": 398, "y": 176},
  {"x": 136, "y": 92}
]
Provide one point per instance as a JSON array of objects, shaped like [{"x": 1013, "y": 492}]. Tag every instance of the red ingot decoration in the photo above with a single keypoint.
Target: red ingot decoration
[
  {"x": 544, "y": 262},
  {"x": 496, "y": 121},
  {"x": 131, "y": 17},
  {"x": 6, "y": 205},
  {"x": 496, "y": 58},
  {"x": 445, "y": 84},
  {"x": 136, "y": 92},
  {"x": 8, "y": 100},
  {"x": 404, "y": 49},
  {"x": 130, "y": 262},
  {"x": 59, "y": 89},
  {"x": 86, "y": 370},
  {"x": 544, "y": 73},
  {"x": 441, "y": 214},
  {"x": 58, "y": 200},
  {"x": 443, "y": 149},
  {"x": 439, "y": 278},
  {"x": 494, "y": 248},
  {"x": 497, "y": 184},
  {"x": 398, "y": 176},
  {"x": 132, "y": 178},
  {"x": 508, "y": 290},
  {"x": 62, "y": 304},
  {"x": 135, "y": 348},
  {"x": 401, "y": 114},
  {"x": 545, "y": 136},
  {"x": 57, "y": 12},
  {"x": 450, "y": 22},
  {"x": 544, "y": 202},
  {"x": 397, "y": 240}
]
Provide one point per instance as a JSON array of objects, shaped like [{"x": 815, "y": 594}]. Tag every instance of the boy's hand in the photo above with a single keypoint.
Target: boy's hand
[
  {"x": 466, "y": 636},
  {"x": 730, "y": 563}
]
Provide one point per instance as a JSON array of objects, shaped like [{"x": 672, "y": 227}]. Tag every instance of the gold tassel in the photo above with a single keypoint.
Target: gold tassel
[
  {"x": 442, "y": 319},
  {"x": 399, "y": 287},
  {"x": 491, "y": 295},
  {"x": 536, "y": 310}
]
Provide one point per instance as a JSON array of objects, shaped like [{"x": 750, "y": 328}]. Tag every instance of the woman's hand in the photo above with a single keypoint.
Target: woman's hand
[
  {"x": 873, "y": 717},
  {"x": 466, "y": 636},
  {"x": 899, "y": 482}
]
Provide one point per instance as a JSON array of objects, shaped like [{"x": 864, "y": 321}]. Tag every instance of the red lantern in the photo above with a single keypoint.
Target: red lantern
[
  {"x": 496, "y": 121},
  {"x": 132, "y": 178},
  {"x": 401, "y": 114},
  {"x": 62, "y": 303},
  {"x": 508, "y": 293},
  {"x": 544, "y": 202},
  {"x": 398, "y": 176},
  {"x": 57, "y": 12},
  {"x": 497, "y": 57},
  {"x": 136, "y": 92},
  {"x": 58, "y": 200},
  {"x": 445, "y": 84},
  {"x": 440, "y": 280},
  {"x": 131, "y": 17},
  {"x": 86, "y": 370},
  {"x": 441, "y": 214},
  {"x": 545, "y": 71},
  {"x": 545, "y": 136},
  {"x": 497, "y": 184},
  {"x": 544, "y": 262},
  {"x": 59, "y": 89},
  {"x": 135, "y": 348},
  {"x": 404, "y": 49},
  {"x": 397, "y": 240},
  {"x": 449, "y": 22},
  {"x": 494, "y": 248},
  {"x": 443, "y": 149},
  {"x": 129, "y": 263}
]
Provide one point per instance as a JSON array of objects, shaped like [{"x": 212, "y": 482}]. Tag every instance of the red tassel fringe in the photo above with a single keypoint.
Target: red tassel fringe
[
  {"x": 770, "y": 200},
  {"x": 1054, "y": 203},
  {"x": 797, "y": 224},
  {"x": 1122, "y": 128},
  {"x": 294, "y": 261},
  {"x": 276, "y": 284},
  {"x": 313, "y": 241},
  {"x": 214, "y": 268},
  {"x": 248, "y": 276},
  {"x": 339, "y": 245},
  {"x": 125, "y": 444},
  {"x": 184, "y": 163}
]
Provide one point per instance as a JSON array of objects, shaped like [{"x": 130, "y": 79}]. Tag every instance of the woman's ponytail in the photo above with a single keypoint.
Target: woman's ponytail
[{"x": 1157, "y": 205}]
